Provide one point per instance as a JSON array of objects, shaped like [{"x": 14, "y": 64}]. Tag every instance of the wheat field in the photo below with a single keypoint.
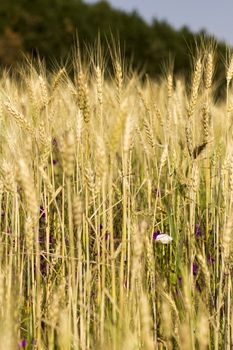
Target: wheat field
[{"x": 116, "y": 201}]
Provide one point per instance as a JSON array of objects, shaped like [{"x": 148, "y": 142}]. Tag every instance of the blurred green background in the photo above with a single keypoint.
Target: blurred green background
[{"x": 48, "y": 28}]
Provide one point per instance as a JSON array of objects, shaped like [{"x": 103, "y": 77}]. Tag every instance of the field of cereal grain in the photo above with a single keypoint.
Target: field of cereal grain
[{"x": 116, "y": 209}]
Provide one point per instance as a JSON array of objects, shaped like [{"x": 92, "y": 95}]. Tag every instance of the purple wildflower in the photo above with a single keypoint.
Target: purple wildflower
[
  {"x": 210, "y": 259},
  {"x": 23, "y": 343},
  {"x": 179, "y": 279},
  {"x": 156, "y": 233},
  {"x": 55, "y": 161},
  {"x": 197, "y": 231},
  {"x": 198, "y": 287},
  {"x": 43, "y": 267},
  {"x": 195, "y": 269},
  {"x": 107, "y": 235},
  {"x": 42, "y": 212}
]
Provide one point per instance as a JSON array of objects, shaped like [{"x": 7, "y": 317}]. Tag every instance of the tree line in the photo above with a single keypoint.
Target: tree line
[{"x": 48, "y": 28}]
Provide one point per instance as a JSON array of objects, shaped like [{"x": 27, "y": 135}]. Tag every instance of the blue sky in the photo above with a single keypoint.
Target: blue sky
[{"x": 216, "y": 16}]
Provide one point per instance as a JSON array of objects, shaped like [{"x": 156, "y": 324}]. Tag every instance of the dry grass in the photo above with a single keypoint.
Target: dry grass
[{"x": 91, "y": 169}]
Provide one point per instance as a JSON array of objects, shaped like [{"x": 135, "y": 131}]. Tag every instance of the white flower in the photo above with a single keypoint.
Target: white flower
[{"x": 164, "y": 238}]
